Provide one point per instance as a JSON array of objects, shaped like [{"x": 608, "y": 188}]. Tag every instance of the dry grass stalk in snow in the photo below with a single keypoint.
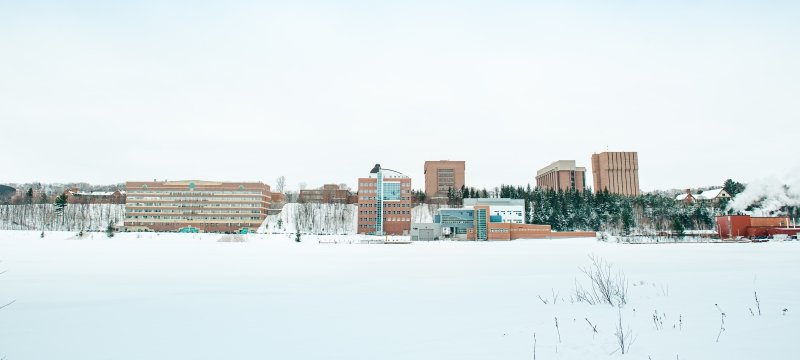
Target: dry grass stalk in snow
[{"x": 606, "y": 285}]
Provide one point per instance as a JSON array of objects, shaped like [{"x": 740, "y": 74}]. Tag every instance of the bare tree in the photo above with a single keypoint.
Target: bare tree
[{"x": 280, "y": 184}]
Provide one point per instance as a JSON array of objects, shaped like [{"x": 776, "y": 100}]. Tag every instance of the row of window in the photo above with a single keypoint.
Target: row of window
[
  {"x": 191, "y": 192},
  {"x": 387, "y": 205},
  {"x": 385, "y": 197},
  {"x": 195, "y": 217},
  {"x": 139, "y": 223},
  {"x": 392, "y": 212},
  {"x": 182, "y": 205},
  {"x": 375, "y": 191},
  {"x": 391, "y": 219},
  {"x": 195, "y": 198},
  {"x": 375, "y": 184},
  {"x": 161, "y": 211}
]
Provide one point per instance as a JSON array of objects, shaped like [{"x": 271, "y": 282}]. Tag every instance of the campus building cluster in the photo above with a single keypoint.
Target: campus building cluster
[
  {"x": 383, "y": 198},
  {"x": 486, "y": 219}
]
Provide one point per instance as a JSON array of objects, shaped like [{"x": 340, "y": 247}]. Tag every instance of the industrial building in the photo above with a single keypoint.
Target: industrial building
[{"x": 732, "y": 227}]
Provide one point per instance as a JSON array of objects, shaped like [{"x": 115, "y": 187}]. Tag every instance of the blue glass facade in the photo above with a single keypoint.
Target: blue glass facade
[{"x": 391, "y": 191}]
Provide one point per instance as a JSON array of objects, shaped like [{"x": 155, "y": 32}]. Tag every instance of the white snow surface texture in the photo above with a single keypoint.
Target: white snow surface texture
[{"x": 188, "y": 296}]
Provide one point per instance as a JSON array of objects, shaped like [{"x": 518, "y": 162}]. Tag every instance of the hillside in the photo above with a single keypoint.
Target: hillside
[{"x": 74, "y": 217}]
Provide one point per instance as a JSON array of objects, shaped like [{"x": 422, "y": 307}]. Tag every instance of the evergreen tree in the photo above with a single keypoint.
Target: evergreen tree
[
  {"x": 677, "y": 225},
  {"x": 61, "y": 203},
  {"x": 733, "y": 188},
  {"x": 110, "y": 229}
]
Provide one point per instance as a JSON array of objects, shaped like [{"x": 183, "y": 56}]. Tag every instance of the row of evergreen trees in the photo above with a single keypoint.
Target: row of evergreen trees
[{"x": 575, "y": 210}]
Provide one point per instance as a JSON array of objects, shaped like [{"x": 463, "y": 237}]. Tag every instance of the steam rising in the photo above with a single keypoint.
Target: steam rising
[{"x": 769, "y": 195}]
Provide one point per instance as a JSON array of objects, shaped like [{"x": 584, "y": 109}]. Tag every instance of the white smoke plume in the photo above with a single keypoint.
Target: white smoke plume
[{"x": 770, "y": 194}]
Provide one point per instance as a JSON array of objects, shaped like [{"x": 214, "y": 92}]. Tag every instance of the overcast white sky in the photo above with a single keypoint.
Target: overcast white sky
[{"x": 98, "y": 92}]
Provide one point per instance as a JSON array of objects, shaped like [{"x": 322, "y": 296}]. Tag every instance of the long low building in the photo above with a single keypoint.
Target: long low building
[
  {"x": 481, "y": 221},
  {"x": 196, "y": 206},
  {"x": 731, "y": 227}
]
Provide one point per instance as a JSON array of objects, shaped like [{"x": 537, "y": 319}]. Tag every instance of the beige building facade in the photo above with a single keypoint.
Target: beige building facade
[
  {"x": 196, "y": 206},
  {"x": 616, "y": 171},
  {"x": 562, "y": 175}
]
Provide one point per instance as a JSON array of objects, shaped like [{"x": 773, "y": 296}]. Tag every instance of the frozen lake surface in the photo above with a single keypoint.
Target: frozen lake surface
[{"x": 188, "y": 296}]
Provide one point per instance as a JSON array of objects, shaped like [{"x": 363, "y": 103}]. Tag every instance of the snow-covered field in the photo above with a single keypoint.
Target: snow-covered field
[{"x": 188, "y": 296}]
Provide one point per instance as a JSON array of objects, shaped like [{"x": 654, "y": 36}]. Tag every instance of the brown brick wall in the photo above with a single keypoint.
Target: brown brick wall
[
  {"x": 432, "y": 177},
  {"x": 616, "y": 171}
]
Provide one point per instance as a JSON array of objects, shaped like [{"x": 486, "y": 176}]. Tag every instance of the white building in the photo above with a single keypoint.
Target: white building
[{"x": 511, "y": 210}]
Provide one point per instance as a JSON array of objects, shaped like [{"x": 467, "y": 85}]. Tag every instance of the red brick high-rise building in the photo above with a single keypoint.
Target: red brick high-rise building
[{"x": 384, "y": 203}]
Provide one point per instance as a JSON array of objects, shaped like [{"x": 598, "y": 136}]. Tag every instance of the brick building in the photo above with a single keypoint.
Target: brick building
[
  {"x": 95, "y": 197},
  {"x": 196, "y": 206},
  {"x": 384, "y": 203},
  {"x": 327, "y": 194},
  {"x": 746, "y": 226},
  {"x": 616, "y": 171},
  {"x": 443, "y": 175},
  {"x": 561, "y": 175}
]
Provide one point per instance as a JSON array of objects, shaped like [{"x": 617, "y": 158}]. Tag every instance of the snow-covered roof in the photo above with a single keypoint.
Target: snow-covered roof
[
  {"x": 705, "y": 195},
  {"x": 712, "y": 194},
  {"x": 95, "y": 193}
]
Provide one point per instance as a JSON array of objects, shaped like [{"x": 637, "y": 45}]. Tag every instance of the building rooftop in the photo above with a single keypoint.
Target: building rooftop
[
  {"x": 494, "y": 201},
  {"x": 568, "y": 165}
]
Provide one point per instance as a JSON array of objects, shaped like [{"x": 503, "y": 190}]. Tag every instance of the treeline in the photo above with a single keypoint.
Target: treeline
[
  {"x": 575, "y": 210},
  {"x": 60, "y": 216},
  {"x": 619, "y": 214}
]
